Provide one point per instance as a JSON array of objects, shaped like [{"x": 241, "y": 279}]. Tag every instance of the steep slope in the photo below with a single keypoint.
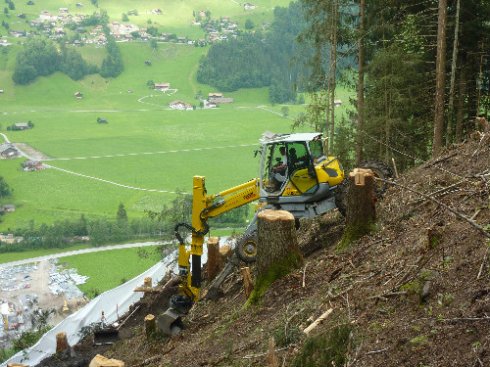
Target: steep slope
[{"x": 415, "y": 293}]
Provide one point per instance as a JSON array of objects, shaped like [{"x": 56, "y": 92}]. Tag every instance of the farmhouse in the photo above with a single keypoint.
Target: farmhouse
[
  {"x": 8, "y": 151},
  {"x": 180, "y": 105},
  {"x": 30, "y": 166},
  {"x": 7, "y": 208},
  {"x": 10, "y": 239},
  {"x": 78, "y": 95},
  {"x": 215, "y": 95},
  {"x": 218, "y": 98},
  {"x": 162, "y": 86},
  {"x": 249, "y": 6},
  {"x": 102, "y": 120},
  {"x": 21, "y": 126}
]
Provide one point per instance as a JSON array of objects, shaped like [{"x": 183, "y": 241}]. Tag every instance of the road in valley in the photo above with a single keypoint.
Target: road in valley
[{"x": 80, "y": 252}]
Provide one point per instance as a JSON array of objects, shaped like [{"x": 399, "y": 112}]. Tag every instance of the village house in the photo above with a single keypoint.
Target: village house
[
  {"x": 7, "y": 208},
  {"x": 180, "y": 105},
  {"x": 10, "y": 239},
  {"x": 249, "y": 6},
  {"x": 215, "y": 95},
  {"x": 21, "y": 126},
  {"x": 30, "y": 166},
  {"x": 78, "y": 95},
  {"x": 162, "y": 87},
  {"x": 218, "y": 98},
  {"x": 337, "y": 102},
  {"x": 8, "y": 151}
]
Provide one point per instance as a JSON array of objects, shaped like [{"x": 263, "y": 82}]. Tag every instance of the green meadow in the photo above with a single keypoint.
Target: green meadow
[
  {"x": 146, "y": 152},
  {"x": 108, "y": 269}
]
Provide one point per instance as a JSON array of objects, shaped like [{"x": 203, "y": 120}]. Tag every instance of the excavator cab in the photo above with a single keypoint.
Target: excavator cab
[{"x": 297, "y": 176}]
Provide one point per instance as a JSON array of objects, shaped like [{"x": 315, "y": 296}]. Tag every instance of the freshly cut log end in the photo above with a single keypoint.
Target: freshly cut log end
[{"x": 275, "y": 215}]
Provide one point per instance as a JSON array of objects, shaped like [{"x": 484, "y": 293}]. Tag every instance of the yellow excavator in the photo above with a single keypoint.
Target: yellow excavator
[{"x": 295, "y": 176}]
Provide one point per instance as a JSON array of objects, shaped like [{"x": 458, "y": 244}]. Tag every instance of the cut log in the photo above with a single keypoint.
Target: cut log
[
  {"x": 148, "y": 282},
  {"x": 17, "y": 365},
  {"x": 318, "y": 321},
  {"x": 214, "y": 258},
  {"x": 61, "y": 342},
  {"x": 150, "y": 325},
  {"x": 101, "y": 361},
  {"x": 247, "y": 281},
  {"x": 278, "y": 251},
  {"x": 361, "y": 208},
  {"x": 272, "y": 360}
]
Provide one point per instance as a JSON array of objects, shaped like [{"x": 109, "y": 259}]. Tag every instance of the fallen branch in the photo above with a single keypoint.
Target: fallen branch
[
  {"x": 482, "y": 264},
  {"x": 250, "y": 356},
  {"x": 377, "y": 351},
  {"x": 304, "y": 275},
  {"x": 148, "y": 361},
  {"x": 318, "y": 321},
  {"x": 389, "y": 294},
  {"x": 457, "y": 214}
]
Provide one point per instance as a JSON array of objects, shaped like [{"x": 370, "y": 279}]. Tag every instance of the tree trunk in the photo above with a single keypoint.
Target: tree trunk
[
  {"x": 333, "y": 71},
  {"x": 454, "y": 60},
  {"x": 214, "y": 258},
  {"x": 361, "y": 208},
  {"x": 150, "y": 325},
  {"x": 460, "y": 106},
  {"x": 440, "y": 79},
  {"x": 360, "y": 84},
  {"x": 278, "y": 251},
  {"x": 61, "y": 342}
]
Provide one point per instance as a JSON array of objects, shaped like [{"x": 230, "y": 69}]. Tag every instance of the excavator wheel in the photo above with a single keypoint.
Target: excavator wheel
[
  {"x": 380, "y": 170},
  {"x": 246, "y": 248}
]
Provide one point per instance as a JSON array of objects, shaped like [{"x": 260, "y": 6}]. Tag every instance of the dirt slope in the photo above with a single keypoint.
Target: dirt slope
[{"x": 415, "y": 293}]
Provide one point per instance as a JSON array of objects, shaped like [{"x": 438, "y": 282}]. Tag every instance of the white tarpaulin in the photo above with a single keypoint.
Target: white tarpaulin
[{"x": 114, "y": 302}]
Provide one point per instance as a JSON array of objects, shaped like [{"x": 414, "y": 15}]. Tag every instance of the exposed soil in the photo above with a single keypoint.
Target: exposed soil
[{"x": 414, "y": 293}]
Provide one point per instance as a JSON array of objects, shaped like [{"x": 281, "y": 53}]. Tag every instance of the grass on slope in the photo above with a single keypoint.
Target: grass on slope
[{"x": 108, "y": 269}]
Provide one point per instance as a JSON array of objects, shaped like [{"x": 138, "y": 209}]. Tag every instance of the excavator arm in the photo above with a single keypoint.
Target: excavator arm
[{"x": 206, "y": 206}]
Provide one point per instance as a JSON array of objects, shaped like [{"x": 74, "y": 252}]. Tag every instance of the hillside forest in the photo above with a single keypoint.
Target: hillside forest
[{"x": 420, "y": 68}]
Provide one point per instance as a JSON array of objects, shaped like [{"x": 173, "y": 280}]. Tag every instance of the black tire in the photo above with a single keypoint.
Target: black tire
[
  {"x": 380, "y": 170},
  {"x": 341, "y": 197},
  {"x": 246, "y": 248}
]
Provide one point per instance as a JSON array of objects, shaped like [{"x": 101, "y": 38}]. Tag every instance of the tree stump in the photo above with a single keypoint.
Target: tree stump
[
  {"x": 150, "y": 325},
  {"x": 214, "y": 258},
  {"x": 278, "y": 251},
  {"x": 248, "y": 285},
  {"x": 361, "y": 209},
  {"x": 61, "y": 342}
]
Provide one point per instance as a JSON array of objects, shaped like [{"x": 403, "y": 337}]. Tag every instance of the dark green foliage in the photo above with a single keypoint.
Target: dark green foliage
[
  {"x": 273, "y": 59},
  {"x": 5, "y": 189},
  {"x": 40, "y": 57},
  {"x": 235, "y": 64},
  {"x": 73, "y": 65},
  {"x": 121, "y": 213},
  {"x": 112, "y": 65},
  {"x": 328, "y": 349},
  {"x": 152, "y": 31},
  {"x": 249, "y": 24}
]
